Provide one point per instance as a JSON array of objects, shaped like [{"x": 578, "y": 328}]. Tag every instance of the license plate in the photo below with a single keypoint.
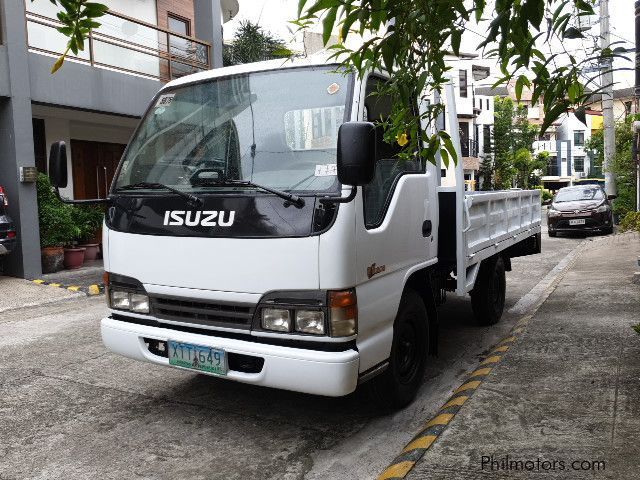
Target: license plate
[
  {"x": 576, "y": 221},
  {"x": 197, "y": 357}
]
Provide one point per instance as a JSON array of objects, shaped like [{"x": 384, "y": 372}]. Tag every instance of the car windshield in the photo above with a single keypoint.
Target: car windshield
[
  {"x": 275, "y": 128},
  {"x": 579, "y": 194}
]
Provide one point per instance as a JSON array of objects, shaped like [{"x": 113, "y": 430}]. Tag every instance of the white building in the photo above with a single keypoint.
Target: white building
[
  {"x": 475, "y": 115},
  {"x": 569, "y": 158}
]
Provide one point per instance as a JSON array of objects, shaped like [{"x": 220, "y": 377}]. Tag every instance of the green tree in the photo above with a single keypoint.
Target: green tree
[
  {"x": 513, "y": 135},
  {"x": 623, "y": 167},
  {"x": 595, "y": 147},
  {"x": 251, "y": 43},
  {"x": 525, "y": 164},
  {"x": 503, "y": 132}
]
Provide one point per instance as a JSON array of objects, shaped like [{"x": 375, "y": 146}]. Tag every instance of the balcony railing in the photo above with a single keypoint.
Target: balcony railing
[
  {"x": 124, "y": 44},
  {"x": 469, "y": 147}
]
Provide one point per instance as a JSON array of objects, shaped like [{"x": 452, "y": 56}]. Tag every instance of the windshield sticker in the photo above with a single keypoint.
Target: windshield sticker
[
  {"x": 159, "y": 110},
  {"x": 333, "y": 88},
  {"x": 328, "y": 170},
  {"x": 165, "y": 100}
]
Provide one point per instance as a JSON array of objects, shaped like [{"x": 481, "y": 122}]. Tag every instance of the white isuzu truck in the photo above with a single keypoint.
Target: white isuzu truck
[{"x": 258, "y": 229}]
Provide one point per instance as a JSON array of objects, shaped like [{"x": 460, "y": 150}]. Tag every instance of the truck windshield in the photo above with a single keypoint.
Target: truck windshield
[{"x": 276, "y": 128}]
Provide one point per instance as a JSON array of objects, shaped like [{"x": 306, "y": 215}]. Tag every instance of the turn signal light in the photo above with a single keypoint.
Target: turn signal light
[
  {"x": 343, "y": 313},
  {"x": 3, "y": 197}
]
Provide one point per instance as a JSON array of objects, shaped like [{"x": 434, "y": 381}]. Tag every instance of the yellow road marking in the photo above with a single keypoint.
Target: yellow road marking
[
  {"x": 94, "y": 290},
  {"x": 503, "y": 348},
  {"x": 509, "y": 339},
  {"x": 422, "y": 442},
  {"x": 39, "y": 282},
  {"x": 518, "y": 330},
  {"x": 492, "y": 359},
  {"x": 468, "y": 386},
  {"x": 441, "y": 419},
  {"x": 481, "y": 371},
  {"x": 55, "y": 284},
  {"x": 397, "y": 470},
  {"x": 73, "y": 289},
  {"x": 459, "y": 401}
]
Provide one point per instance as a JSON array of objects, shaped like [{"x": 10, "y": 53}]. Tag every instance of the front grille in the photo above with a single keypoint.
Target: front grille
[{"x": 200, "y": 312}]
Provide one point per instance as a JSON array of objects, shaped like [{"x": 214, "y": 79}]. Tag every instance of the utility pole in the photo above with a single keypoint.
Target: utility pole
[
  {"x": 607, "y": 100},
  {"x": 636, "y": 138}
]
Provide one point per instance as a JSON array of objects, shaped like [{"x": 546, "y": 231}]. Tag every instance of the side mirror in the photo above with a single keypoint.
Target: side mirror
[
  {"x": 58, "y": 165},
  {"x": 612, "y": 197},
  {"x": 356, "y": 161}
]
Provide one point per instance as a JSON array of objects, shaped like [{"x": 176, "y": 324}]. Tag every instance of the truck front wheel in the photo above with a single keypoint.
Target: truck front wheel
[
  {"x": 397, "y": 386},
  {"x": 488, "y": 294}
]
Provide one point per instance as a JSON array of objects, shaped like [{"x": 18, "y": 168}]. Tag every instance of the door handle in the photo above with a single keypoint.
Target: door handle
[{"x": 426, "y": 228}]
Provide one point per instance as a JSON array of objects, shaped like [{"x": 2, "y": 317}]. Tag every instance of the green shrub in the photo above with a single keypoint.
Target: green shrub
[
  {"x": 545, "y": 195},
  {"x": 88, "y": 219},
  {"x": 57, "y": 228},
  {"x": 631, "y": 221}
]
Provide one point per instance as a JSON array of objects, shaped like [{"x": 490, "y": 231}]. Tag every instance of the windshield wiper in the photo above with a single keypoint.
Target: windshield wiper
[
  {"x": 294, "y": 199},
  {"x": 191, "y": 199}
]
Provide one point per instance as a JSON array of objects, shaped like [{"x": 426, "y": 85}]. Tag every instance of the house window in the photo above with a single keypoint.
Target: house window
[
  {"x": 578, "y": 138},
  {"x": 463, "y": 84},
  {"x": 443, "y": 172},
  {"x": 487, "y": 104},
  {"x": 545, "y": 138},
  {"x": 179, "y": 47},
  {"x": 578, "y": 164}
]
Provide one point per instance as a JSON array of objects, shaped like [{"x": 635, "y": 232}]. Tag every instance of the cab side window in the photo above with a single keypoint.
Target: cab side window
[{"x": 378, "y": 194}]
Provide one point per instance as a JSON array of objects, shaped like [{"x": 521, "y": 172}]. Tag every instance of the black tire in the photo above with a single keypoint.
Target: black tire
[
  {"x": 608, "y": 231},
  {"x": 488, "y": 294},
  {"x": 397, "y": 386},
  {"x": 553, "y": 234}
]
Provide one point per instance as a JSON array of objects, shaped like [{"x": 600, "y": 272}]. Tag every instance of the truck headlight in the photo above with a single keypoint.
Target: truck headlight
[
  {"x": 139, "y": 303},
  {"x": 310, "y": 321},
  {"x": 132, "y": 302},
  {"x": 277, "y": 319},
  {"x": 120, "y": 300}
]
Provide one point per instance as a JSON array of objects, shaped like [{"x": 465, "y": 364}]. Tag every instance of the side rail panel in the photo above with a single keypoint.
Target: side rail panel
[{"x": 493, "y": 222}]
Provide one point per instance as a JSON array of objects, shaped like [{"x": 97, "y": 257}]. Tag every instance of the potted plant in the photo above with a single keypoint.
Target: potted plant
[
  {"x": 88, "y": 219},
  {"x": 56, "y": 226}
]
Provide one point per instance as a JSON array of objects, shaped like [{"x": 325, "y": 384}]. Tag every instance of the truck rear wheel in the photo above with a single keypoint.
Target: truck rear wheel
[
  {"x": 397, "y": 386},
  {"x": 488, "y": 294}
]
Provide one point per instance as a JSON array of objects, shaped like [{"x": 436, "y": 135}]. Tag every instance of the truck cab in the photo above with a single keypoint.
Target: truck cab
[{"x": 259, "y": 229}]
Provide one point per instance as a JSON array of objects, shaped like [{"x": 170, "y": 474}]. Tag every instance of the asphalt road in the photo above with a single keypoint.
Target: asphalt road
[{"x": 71, "y": 409}]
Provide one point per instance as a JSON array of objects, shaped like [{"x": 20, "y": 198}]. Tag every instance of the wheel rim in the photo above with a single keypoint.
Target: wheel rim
[{"x": 407, "y": 353}]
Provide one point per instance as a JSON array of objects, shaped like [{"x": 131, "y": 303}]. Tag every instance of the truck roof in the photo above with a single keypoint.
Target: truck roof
[{"x": 320, "y": 60}]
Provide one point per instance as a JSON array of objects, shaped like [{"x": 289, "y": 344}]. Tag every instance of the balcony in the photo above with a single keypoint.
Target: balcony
[
  {"x": 552, "y": 171},
  {"x": 469, "y": 147},
  {"x": 122, "y": 44}
]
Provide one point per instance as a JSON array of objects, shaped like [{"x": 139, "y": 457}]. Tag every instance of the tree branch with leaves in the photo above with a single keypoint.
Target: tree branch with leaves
[{"x": 409, "y": 40}]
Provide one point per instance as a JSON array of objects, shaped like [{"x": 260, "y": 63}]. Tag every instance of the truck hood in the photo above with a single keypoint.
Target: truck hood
[{"x": 249, "y": 265}]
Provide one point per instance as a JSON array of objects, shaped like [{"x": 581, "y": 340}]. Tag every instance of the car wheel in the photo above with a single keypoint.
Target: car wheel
[
  {"x": 397, "y": 386},
  {"x": 488, "y": 294}
]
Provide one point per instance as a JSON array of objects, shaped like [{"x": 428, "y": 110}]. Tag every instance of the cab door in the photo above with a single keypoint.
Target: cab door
[{"x": 395, "y": 229}]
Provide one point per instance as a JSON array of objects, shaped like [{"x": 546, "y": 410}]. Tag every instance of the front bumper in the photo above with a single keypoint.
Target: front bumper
[
  {"x": 332, "y": 374},
  {"x": 593, "y": 223}
]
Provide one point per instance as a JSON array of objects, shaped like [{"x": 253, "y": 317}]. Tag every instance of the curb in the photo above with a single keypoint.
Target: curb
[
  {"x": 427, "y": 436},
  {"x": 91, "y": 290}
]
